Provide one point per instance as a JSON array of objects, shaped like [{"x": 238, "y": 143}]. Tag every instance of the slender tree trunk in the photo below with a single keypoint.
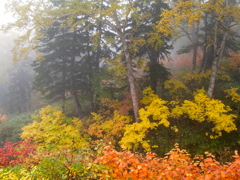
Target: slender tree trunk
[
  {"x": 91, "y": 72},
  {"x": 215, "y": 61},
  {"x": 194, "y": 60},
  {"x": 218, "y": 51},
  {"x": 195, "y": 47},
  {"x": 72, "y": 81},
  {"x": 131, "y": 80},
  {"x": 121, "y": 31},
  {"x": 213, "y": 78},
  {"x": 204, "y": 60},
  {"x": 64, "y": 75},
  {"x": 153, "y": 57},
  {"x": 77, "y": 104},
  {"x": 205, "y": 50},
  {"x": 97, "y": 62}
]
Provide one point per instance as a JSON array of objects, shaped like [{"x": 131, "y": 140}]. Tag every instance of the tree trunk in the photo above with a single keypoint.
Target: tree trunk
[
  {"x": 120, "y": 30},
  {"x": 153, "y": 58},
  {"x": 64, "y": 75},
  {"x": 195, "y": 47},
  {"x": 194, "y": 60},
  {"x": 73, "y": 83},
  {"x": 213, "y": 78},
  {"x": 77, "y": 104},
  {"x": 205, "y": 49},
  {"x": 131, "y": 80},
  {"x": 217, "y": 57},
  {"x": 97, "y": 62}
]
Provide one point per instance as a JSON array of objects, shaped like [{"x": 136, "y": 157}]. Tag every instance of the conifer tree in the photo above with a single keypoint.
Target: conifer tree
[
  {"x": 19, "y": 88},
  {"x": 157, "y": 47}
]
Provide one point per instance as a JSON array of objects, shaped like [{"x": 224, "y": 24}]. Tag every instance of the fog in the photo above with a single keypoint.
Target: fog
[{"x": 6, "y": 17}]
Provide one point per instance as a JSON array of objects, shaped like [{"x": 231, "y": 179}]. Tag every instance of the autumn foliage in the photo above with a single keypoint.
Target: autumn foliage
[
  {"x": 104, "y": 162},
  {"x": 177, "y": 164},
  {"x": 59, "y": 148},
  {"x": 109, "y": 146},
  {"x": 16, "y": 153},
  {"x": 52, "y": 129},
  {"x": 3, "y": 117}
]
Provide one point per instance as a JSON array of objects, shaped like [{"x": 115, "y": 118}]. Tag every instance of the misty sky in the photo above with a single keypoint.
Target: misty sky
[{"x": 4, "y": 17}]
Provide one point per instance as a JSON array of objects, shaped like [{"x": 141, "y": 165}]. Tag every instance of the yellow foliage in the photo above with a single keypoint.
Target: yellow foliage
[
  {"x": 21, "y": 174},
  {"x": 223, "y": 12},
  {"x": 78, "y": 124},
  {"x": 50, "y": 129},
  {"x": 174, "y": 128},
  {"x": 176, "y": 88},
  {"x": 189, "y": 13},
  {"x": 203, "y": 108},
  {"x": 134, "y": 135},
  {"x": 154, "y": 39},
  {"x": 232, "y": 93},
  {"x": 156, "y": 110},
  {"x": 197, "y": 77},
  {"x": 109, "y": 130},
  {"x": 184, "y": 11},
  {"x": 136, "y": 44},
  {"x": 117, "y": 66},
  {"x": 192, "y": 81},
  {"x": 96, "y": 117},
  {"x": 8, "y": 175},
  {"x": 149, "y": 96},
  {"x": 222, "y": 75},
  {"x": 140, "y": 64}
]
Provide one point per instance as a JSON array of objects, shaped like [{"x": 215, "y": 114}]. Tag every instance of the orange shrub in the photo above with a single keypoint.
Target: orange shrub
[{"x": 177, "y": 164}]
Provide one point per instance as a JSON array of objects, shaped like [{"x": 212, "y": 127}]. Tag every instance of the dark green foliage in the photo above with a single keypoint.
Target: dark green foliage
[
  {"x": 158, "y": 50},
  {"x": 19, "y": 90},
  {"x": 71, "y": 68},
  {"x": 157, "y": 75}
]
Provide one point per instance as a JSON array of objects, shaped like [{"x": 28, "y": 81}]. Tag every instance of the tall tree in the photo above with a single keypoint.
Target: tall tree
[
  {"x": 184, "y": 20},
  {"x": 19, "y": 88},
  {"x": 116, "y": 16},
  {"x": 123, "y": 18},
  {"x": 66, "y": 54},
  {"x": 51, "y": 73},
  {"x": 157, "y": 47},
  {"x": 224, "y": 15}
]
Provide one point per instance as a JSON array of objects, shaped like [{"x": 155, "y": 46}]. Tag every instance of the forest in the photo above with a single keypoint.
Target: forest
[{"x": 120, "y": 89}]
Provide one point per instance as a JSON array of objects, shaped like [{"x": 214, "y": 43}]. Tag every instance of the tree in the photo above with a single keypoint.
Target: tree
[
  {"x": 116, "y": 17},
  {"x": 123, "y": 19},
  {"x": 224, "y": 15},
  {"x": 71, "y": 63},
  {"x": 156, "y": 48},
  {"x": 19, "y": 88},
  {"x": 183, "y": 20},
  {"x": 51, "y": 76},
  {"x": 66, "y": 45}
]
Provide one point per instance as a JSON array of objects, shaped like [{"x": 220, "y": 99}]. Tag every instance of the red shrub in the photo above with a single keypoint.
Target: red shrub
[{"x": 15, "y": 153}]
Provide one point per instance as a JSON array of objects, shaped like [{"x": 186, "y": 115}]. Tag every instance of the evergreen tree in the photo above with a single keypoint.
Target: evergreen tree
[
  {"x": 157, "y": 47},
  {"x": 19, "y": 88}
]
